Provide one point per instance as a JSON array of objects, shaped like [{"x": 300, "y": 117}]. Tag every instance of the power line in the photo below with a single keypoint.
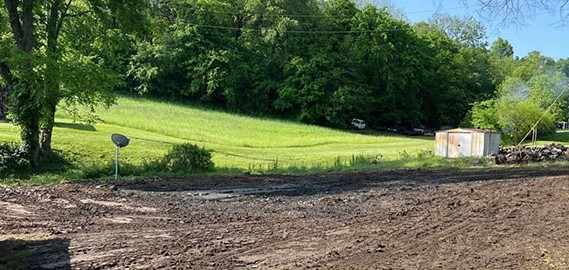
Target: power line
[{"x": 297, "y": 31}]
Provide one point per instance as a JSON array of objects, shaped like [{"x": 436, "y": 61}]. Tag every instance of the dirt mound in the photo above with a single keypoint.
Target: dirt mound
[{"x": 491, "y": 219}]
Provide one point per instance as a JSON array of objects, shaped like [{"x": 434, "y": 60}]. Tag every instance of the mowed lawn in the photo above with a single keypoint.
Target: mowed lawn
[{"x": 237, "y": 141}]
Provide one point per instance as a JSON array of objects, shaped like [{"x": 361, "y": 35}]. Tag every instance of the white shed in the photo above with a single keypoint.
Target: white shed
[{"x": 466, "y": 142}]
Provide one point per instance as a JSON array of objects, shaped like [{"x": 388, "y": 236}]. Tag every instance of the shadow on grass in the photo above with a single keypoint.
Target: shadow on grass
[
  {"x": 394, "y": 135},
  {"x": 35, "y": 254},
  {"x": 76, "y": 126},
  {"x": 57, "y": 163}
]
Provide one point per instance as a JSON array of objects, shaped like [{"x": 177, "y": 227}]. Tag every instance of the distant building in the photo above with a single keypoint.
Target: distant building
[{"x": 466, "y": 142}]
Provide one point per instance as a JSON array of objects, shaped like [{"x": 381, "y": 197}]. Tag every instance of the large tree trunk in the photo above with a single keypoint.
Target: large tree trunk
[
  {"x": 54, "y": 21},
  {"x": 47, "y": 126},
  {"x": 31, "y": 111},
  {"x": 25, "y": 107},
  {"x": 30, "y": 139},
  {"x": 51, "y": 80}
]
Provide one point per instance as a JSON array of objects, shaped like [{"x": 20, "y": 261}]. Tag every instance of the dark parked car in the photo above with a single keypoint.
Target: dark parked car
[
  {"x": 378, "y": 128},
  {"x": 412, "y": 132},
  {"x": 395, "y": 129}
]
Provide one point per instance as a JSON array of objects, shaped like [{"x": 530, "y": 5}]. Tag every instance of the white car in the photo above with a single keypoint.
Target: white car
[{"x": 358, "y": 124}]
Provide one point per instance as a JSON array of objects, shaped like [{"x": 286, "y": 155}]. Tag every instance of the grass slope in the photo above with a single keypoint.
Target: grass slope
[{"x": 237, "y": 141}]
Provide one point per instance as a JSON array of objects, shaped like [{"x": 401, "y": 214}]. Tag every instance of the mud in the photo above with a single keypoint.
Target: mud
[{"x": 478, "y": 219}]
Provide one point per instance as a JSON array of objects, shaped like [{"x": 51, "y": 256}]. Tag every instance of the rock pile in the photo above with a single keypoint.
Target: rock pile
[{"x": 526, "y": 154}]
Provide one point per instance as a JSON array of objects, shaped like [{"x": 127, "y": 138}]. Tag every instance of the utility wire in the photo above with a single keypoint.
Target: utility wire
[
  {"x": 292, "y": 31},
  {"x": 321, "y": 31}
]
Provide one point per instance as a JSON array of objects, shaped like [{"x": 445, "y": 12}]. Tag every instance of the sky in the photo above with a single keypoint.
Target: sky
[{"x": 542, "y": 32}]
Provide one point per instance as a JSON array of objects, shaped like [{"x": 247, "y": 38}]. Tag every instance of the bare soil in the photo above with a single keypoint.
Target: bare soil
[{"x": 475, "y": 219}]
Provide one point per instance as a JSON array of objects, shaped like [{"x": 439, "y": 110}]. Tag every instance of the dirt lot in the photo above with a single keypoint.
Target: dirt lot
[{"x": 489, "y": 219}]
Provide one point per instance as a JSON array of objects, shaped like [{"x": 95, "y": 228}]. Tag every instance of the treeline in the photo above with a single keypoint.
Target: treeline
[{"x": 320, "y": 62}]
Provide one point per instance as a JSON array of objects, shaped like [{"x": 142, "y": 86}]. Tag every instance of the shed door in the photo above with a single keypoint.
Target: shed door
[{"x": 460, "y": 145}]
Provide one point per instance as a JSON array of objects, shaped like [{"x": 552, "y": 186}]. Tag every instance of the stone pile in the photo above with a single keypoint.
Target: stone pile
[{"x": 525, "y": 154}]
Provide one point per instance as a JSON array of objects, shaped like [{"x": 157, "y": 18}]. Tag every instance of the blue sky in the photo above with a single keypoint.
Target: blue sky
[{"x": 541, "y": 32}]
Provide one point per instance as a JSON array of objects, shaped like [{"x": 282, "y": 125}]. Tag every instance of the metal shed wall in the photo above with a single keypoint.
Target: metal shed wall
[
  {"x": 466, "y": 143},
  {"x": 493, "y": 143},
  {"x": 441, "y": 144}
]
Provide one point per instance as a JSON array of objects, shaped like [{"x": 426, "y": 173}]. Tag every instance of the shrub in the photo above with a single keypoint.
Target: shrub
[
  {"x": 513, "y": 119},
  {"x": 12, "y": 159},
  {"x": 188, "y": 158}
]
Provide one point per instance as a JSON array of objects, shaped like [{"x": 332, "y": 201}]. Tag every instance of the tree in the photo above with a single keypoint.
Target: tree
[
  {"x": 502, "y": 48},
  {"x": 43, "y": 53},
  {"x": 502, "y": 60},
  {"x": 388, "y": 54},
  {"x": 563, "y": 66},
  {"x": 96, "y": 82},
  {"x": 25, "y": 91},
  {"x": 464, "y": 70},
  {"x": 465, "y": 30}
]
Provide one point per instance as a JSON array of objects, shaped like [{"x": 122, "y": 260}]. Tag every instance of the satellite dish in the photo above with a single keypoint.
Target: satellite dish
[{"x": 120, "y": 140}]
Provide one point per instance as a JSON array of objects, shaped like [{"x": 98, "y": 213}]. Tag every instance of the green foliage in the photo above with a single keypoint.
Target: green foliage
[
  {"x": 188, "y": 158},
  {"x": 528, "y": 96},
  {"x": 563, "y": 66},
  {"x": 467, "y": 30},
  {"x": 85, "y": 84},
  {"x": 503, "y": 48},
  {"x": 501, "y": 68},
  {"x": 516, "y": 119},
  {"x": 485, "y": 115},
  {"x": 12, "y": 159},
  {"x": 465, "y": 71}
]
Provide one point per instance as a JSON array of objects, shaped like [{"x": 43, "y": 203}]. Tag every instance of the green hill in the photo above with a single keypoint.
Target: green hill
[{"x": 237, "y": 141}]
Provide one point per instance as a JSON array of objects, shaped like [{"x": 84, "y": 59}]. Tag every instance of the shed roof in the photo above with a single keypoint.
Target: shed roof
[{"x": 467, "y": 130}]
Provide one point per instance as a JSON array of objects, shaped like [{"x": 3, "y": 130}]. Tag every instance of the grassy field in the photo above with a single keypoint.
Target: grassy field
[{"x": 237, "y": 141}]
